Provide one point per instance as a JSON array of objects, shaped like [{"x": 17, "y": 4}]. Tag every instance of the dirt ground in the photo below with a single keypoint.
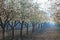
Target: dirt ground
[{"x": 52, "y": 33}]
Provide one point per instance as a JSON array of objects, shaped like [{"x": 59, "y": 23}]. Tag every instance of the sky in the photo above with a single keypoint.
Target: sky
[
  {"x": 44, "y": 6},
  {"x": 49, "y": 5}
]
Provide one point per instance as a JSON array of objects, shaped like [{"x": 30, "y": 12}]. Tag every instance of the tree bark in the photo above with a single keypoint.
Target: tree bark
[
  {"x": 12, "y": 33},
  {"x": 21, "y": 30},
  {"x": 27, "y": 30},
  {"x": 3, "y": 29},
  {"x": 3, "y": 33},
  {"x": 33, "y": 27}
]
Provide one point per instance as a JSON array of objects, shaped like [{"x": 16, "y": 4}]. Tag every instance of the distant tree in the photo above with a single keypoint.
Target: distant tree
[{"x": 34, "y": 19}]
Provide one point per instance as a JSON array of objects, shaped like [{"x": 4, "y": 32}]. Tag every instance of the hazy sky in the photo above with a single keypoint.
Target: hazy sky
[{"x": 49, "y": 5}]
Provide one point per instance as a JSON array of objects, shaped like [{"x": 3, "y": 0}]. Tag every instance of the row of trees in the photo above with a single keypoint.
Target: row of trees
[
  {"x": 22, "y": 10},
  {"x": 11, "y": 10}
]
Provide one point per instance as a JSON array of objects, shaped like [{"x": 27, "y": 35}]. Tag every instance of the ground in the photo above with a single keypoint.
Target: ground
[{"x": 50, "y": 33}]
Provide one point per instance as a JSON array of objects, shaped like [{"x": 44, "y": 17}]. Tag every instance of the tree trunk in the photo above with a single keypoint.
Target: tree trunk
[
  {"x": 3, "y": 33},
  {"x": 27, "y": 30},
  {"x": 41, "y": 26},
  {"x": 21, "y": 30},
  {"x": 33, "y": 27},
  {"x": 12, "y": 33}
]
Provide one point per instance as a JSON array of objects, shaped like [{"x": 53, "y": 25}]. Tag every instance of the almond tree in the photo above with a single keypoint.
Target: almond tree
[
  {"x": 6, "y": 14},
  {"x": 25, "y": 8}
]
